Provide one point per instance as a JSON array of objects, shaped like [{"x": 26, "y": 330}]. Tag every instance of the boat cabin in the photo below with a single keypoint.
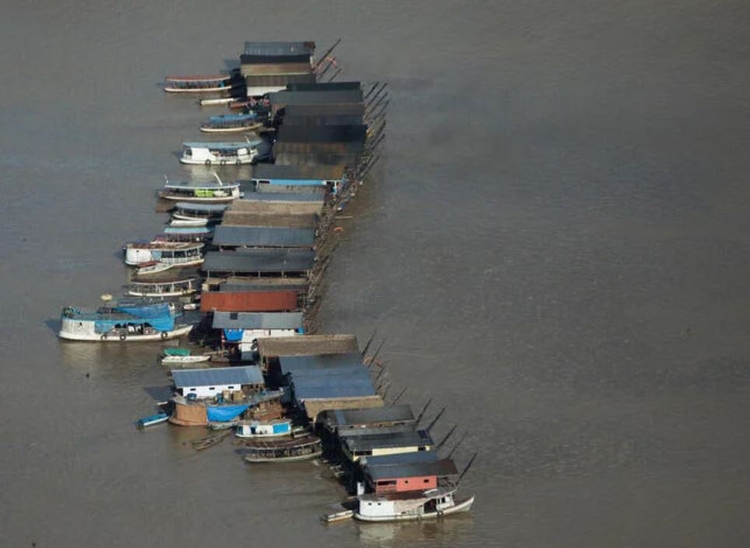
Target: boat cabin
[
  {"x": 332, "y": 178},
  {"x": 173, "y": 253},
  {"x": 194, "y": 210},
  {"x": 168, "y": 288},
  {"x": 243, "y": 152},
  {"x": 375, "y": 442},
  {"x": 217, "y": 192},
  {"x": 197, "y": 84}
]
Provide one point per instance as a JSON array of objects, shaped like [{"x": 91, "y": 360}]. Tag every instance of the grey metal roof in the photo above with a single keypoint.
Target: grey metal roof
[
  {"x": 217, "y": 376},
  {"x": 323, "y": 120},
  {"x": 417, "y": 438},
  {"x": 326, "y": 109},
  {"x": 260, "y": 261},
  {"x": 273, "y": 80},
  {"x": 279, "y": 48},
  {"x": 318, "y": 197},
  {"x": 234, "y": 287},
  {"x": 324, "y": 86},
  {"x": 249, "y": 60},
  {"x": 260, "y": 236},
  {"x": 317, "y": 158},
  {"x": 302, "y": 173},
  {"x": 369, "y": 415},
  {"x": 280, "y": 98},
  {"x": 334, "y": 388},
  {"x": 257, "y": 320},
  {"x": 444, "y": 468},
  {"x": 375, "y": 431},
  {"x": 322, "y": 133},
  {"x": 307, "y": 345},
  {"x": 293, "y": 364}
]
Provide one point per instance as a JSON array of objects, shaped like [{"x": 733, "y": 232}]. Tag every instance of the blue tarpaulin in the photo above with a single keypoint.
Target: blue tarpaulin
[
  {"x": 233, "y": 335},
  {"x": 226, "y": 412}
]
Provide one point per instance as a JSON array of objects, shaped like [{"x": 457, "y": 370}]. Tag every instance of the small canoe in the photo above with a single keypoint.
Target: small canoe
[
  {"x": 152, "y": 420},
  {"x": 152, "y": 267},
  {"x": 175, "y": 222}
]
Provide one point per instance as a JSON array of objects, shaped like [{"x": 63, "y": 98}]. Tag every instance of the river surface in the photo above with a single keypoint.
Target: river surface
[{"x": 555, "y": 245}]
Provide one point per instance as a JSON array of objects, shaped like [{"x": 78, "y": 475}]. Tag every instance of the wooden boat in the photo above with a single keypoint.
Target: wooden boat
[
  {"x": 339, "y": 512},
  {"x": 287, "y": 450},
  {"x": 182, "y": 356},
  {"x": 197, "y": 84},
  {"x": 152, "y": 420},
  {"x": 411, "y": 506},
  {"x": 264, "y": 429},
  {"x": 213, "y": 193},
  {"x": 152, "y": 268},
  {"x": 187, "y": 222},
  {"x": 218, "y": 101},
  {"x": 232, "y": 123},
  {"x": 220, "y": 153},
  {"x": 196, "y": 210},
  {"x": 165, "y": 288},
  {"x": 122, "y": 322},
  {"x": 144, "y": 254},
  {"x": 209, "y": 441}
]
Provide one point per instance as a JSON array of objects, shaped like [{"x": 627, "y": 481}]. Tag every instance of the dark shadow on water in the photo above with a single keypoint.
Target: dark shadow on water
[
  {"x": 158, "y": 393},
  {"x": 53, "y": 324}
]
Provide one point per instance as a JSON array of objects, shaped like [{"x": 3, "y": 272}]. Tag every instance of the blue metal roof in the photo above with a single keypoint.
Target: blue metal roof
[
  {"x": 197, "y": 230},
  {"x": 217, "y": 376},
  {"x": 257, "y": 320},
  {"x": 328, "y": 376}
]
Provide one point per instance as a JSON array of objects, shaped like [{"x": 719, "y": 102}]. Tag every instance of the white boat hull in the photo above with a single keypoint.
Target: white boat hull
[
  {"x": 197, "y": 199},
  {"x": 239, "y": 129},
  {"x": 170, "y": 89},
  {"x": 129, "y": 337},
  {"x": 459, "y": 507},
  {"x": 230, "y": 162},
  {"x": 183, "y": 360}
]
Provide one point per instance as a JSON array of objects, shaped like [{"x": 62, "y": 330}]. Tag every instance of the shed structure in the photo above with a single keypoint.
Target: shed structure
[{"x": 207, "y": 383}]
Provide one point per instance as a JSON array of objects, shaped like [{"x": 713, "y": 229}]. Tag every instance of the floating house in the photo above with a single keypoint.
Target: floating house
[
  {"x": 244, "y": 328},
  {"x": 207, "y": 383},
  {"x": 271, "y": 350},
  {"x": 404, "y": 476},
  {"x": 270, "y": 66}
]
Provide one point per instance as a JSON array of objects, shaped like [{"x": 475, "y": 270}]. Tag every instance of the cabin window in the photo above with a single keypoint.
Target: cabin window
[
  {"x": 230, "y": 387},
  {"x": 192, "y": 389},
  {"x": 426, "y": 481},
  {"x": 233, "y": 315},
  {"x": 406, "y": 481},
  {"x": 212, "y": 388}
]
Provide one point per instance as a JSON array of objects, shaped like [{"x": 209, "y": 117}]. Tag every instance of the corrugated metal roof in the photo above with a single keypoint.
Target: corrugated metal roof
[
  {"x": 317, "y": 158},
  {"x": 269, "y": 80},
  {"x": 281, "y": 98},
  {"x": 322, "y": 173},
  {"x": 322, "y": 133},
  {"x": 327, "y": 109},
  {"x": 351, "y": 388},
  {"x": 356, "y": 417},
  {"x": 260, "y": 260},
  {"x": 418, "y": 438},
  {"x": 257, "y": 320},
  {"x": 246, "y": 59},
  {"x": 217, "y": 376},
  {"x": 375, "y": 431},
  {"x": 283, "y": 197},
  {"x": 324, "y": 86},
  {"x": 261, "y": 236},
  {"x": 279, "y": 47},
  {"x": 278, "y": 207},
  {"x": 292, "y": 364},
  {"x": 307, "y": 345},
  {"x": 338, "y": 148},
  {"x": 278, "y": 220},
  {"x": 262, "y": 284},
  {"x": 323, "y": 120},
  {"x": 444, "y": 468}
]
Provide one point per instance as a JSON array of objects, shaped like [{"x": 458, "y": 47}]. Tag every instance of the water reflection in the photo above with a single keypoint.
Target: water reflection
[{"x": 441, "y": 532}]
